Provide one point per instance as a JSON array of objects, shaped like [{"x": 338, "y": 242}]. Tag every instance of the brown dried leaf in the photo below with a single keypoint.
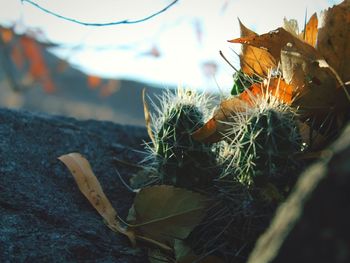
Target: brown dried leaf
[
  {"x": 333, "y": 39},
  {"x": 92, "y": 190},
  {"x": 164, "y": 213},
  {"x": 254, "y": 61},
  {"x": 274, "y": 41},
  {"x": 314, "y": 87}
]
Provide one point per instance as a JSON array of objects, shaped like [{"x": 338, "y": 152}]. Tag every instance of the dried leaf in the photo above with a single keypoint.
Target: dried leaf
[
  {"x": 92, "y": 190},
  {"x": 93, "y": 81},
  {"x": 309, "y": 35},
  {"x": 164, "y": 213},
  {"x": 314, "y": 87},
  {"x": 6, "y": 35},
  {"x": 274, "y": 41},
  {"x": 215, "y": 128},
  {"x": 333, "y": 39},
  {"x": 148, "y": 119},
  {"x": 277, "y": 87},
  {"x": 38, "y": 68},
  {"x": 254, "y": 61}
]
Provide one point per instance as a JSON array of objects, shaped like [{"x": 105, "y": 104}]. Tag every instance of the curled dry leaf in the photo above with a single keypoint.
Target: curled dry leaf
[
  {"x": 164, "y": 213},
  {"x": 274, "y": 41},
  {"x": 254, "y": 61},
  {"x": 333, "y": 39},
  {"x": 92, "y": 190}
]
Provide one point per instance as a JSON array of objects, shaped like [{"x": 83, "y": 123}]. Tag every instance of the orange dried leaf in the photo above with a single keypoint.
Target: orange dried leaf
[
  {"x": 280, "y": 89},
  {"x": 93, "y": 81},
  {"x": 274, "y": 41},
  {"x": 207, "y": 133},
  {"x": 6, "y": 35},
  {"x": 33, "y": 52},
  {"x": 311, "y": 30},
  {"x": 90, "y": 187},
  {"x": 254, "y": 61},
  {"x": 38, "y": 68},
  {"x": 249, "y": 94},
  {"x": 215, "y": 128},
  {"x": 277, "y": 87}
]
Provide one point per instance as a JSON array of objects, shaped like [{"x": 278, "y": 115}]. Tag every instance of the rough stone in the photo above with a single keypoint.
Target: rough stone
[{"x": 43, "y": 216}]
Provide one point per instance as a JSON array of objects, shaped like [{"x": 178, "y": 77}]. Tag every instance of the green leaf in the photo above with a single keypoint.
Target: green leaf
[{"x": 164, "y": 213}]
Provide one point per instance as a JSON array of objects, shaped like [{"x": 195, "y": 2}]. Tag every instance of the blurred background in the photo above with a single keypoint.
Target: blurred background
[{"x": 53, "y": 65}]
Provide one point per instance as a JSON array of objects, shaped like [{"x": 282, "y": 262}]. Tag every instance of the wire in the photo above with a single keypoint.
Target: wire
[{"x": 126, "y": 21}]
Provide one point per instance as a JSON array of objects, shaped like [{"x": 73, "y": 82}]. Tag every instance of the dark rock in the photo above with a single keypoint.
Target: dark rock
[
  {"x": 314, "y": 223},
  {"x": 43, "y": 216}
]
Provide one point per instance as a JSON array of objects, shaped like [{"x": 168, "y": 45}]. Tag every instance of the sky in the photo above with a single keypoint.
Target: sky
[{"x": 177, "y": 47}]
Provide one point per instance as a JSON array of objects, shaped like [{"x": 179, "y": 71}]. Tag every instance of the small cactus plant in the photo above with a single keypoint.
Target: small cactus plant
[
  {"x": 262, "y": 141},
  {"x": 180, "y": 160}
]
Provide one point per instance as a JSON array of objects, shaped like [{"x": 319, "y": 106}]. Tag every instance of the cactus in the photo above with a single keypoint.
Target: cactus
[
  {"x": 179, "y": 159},
  {"x": 262, "y": 142}
]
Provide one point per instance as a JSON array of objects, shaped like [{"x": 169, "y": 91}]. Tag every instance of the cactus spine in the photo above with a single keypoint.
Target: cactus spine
[
  {"x": 262, "y": 142},
  {"x": 179, "y": 159}
]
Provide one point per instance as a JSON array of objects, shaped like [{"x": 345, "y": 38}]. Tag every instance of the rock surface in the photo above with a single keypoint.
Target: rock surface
[
  {"x": 43, "y": 216},
  {"x": 314, "y": 223}
]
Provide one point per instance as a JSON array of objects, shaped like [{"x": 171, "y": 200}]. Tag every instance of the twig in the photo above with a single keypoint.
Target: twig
[
  {"x": 228, "y": 62},
  {"x": 126, "y": 21},
  {"x": 125, "y": 184}
]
